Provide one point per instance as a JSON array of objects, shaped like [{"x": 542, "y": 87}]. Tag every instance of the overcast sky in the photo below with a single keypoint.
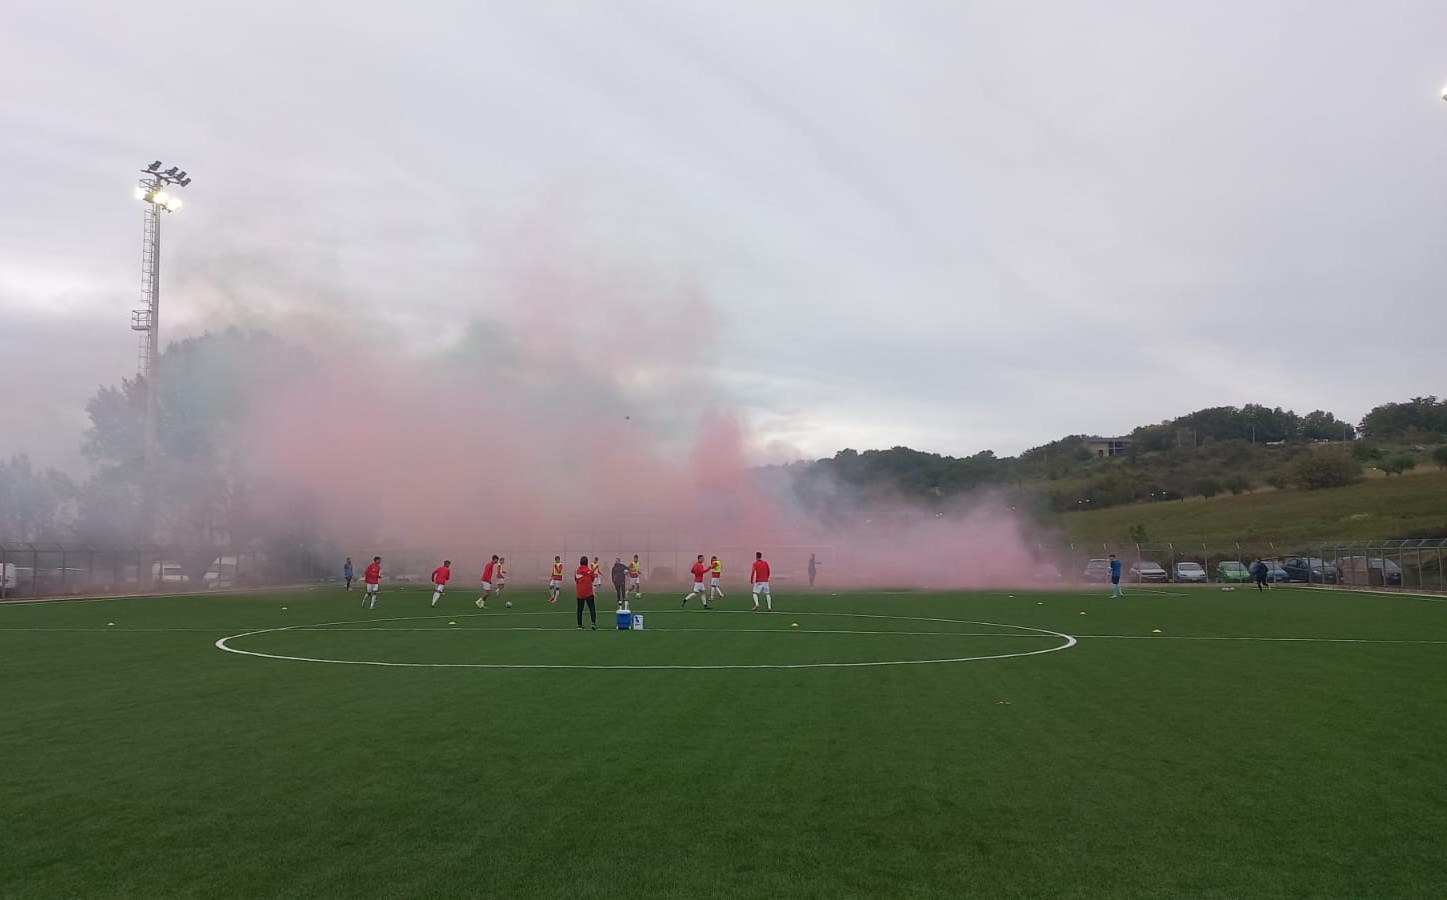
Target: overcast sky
[{"x": 951, "y": 225}]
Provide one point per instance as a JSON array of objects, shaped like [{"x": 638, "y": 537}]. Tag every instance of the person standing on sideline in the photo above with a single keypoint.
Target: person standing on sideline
[
  {"x": 759, "y": 578},
  {"x": 698, "y": 571},
  {"x": 597, "y": 575},
  {"x": 372, "y": 575},
  {"x": 635, "y": 578},
  {"x": 555, "y": 582},
  {"x": 1115, "y": 577},
  {"x": 488, "y": 573},
  {"x": 348, "y": 572},
  {"x": 620, "y": 581},
  {"x": 715, "y": 574},
  {"x": 583, "y": 580},
  {"x": 813, "y": 569},
  {"x": 440, "y": 576},
  {"x": 1258, "y": 572}
]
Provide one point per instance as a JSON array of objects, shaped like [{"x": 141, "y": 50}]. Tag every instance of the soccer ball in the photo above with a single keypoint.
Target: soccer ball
[{"x": 508, "y": 604}]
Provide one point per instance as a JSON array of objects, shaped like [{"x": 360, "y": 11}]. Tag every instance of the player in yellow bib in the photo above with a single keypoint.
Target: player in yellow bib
[
  {"x": 715, "y": 570},
  {"x": 555, "y": 581},
  {"x": 635, "y": 578}
]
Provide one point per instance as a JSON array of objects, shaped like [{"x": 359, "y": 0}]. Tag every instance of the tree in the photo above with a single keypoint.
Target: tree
[
  {"x": 1324, "y": 469},
  {"x": 1206, "y": 487},
  {"x": 1439, "y": 456},
  {"x": 1237, "y": 484},
  {"x": 1398, "y": 463},
  {"x": 34, "y": 505},
  {"x": 1320, "y": 425},
  {"x": 208, "y": 387},
  {"x": 1425, "y": 415}
]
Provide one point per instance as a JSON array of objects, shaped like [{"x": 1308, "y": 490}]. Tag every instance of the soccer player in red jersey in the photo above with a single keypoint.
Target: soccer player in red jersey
[
  {"x": 699, "y": 569},
  {"x": 440, "y": 576},
  {"x": 372, "y": 577},
  {"x": 555, "y": 583},
  {"x": 583, "y": 580},
  {"x": 759, "y": 578},
  {"x": 487, "y": 576}
]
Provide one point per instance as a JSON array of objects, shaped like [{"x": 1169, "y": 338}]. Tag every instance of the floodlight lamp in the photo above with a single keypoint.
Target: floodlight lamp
[
  {"x": 181, "y": 175},
  {"x": 160, "y": 198},
  {"x": 173, "y": 204},
  {"x": 1444, "y": 92},
  {"x": 171, "y": 171},
  {"x": 184, "y": 181},
  {"x": 153, "y": 167},
  {"x": 140, "y": 193}
]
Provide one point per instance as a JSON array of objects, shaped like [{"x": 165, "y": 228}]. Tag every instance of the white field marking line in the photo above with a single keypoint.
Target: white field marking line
[
  {"x": 1160, "y": 593},
  {"x": 223, "y": 645},
  {"x": 1298, "y": 640},
  {"x": 561, "y": 629}
]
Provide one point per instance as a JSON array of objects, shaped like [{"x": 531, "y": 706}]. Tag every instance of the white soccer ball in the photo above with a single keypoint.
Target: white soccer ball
[{"x": 508, "y": 604}]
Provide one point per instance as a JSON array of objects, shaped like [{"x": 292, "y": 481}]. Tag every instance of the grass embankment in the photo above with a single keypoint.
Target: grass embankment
[{"x": 1375, "y": 509}]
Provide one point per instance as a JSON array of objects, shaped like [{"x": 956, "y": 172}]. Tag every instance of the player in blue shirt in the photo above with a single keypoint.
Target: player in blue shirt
[{"x": 1115, "y": 577}]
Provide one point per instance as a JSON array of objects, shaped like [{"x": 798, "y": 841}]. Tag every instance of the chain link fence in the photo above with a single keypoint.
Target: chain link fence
[
  {"x": 1407, "y": 565},
  {"x": 40, "y": 570},
  {"x": 33, "y": 570}
]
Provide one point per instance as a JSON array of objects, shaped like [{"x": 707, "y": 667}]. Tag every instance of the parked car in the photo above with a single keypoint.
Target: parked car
[
  {"x": 1189, "y": 573},
  {"x": 1275, "y": 573},
  {"x": 1096, "y": 570},
  {"x": 61, "y": 582},
  {"x": 1310, "y": 570},
  {"x": 169, "y": 574},
  {"x": 1368, "y": 570},
  {"x": 1232, "y": 571},
  {"x": 1144, "y": 570},
  {"x": 1046, "y": 573}
]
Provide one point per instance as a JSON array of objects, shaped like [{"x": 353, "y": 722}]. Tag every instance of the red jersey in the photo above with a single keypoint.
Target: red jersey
[
  {"x": 441, "y": 574},
  {"x": 698, "y": 570},
  {"x": 760, "y": 572},
  {"x": 487, "y": 571},
  {"x": 373, "y": 573},
  {"x": 584, "y": 580},
  {"x": 557, "y": 571}
]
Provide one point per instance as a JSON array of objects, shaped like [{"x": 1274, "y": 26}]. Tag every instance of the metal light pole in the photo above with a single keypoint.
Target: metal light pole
[{"x": 156, "y": 189}]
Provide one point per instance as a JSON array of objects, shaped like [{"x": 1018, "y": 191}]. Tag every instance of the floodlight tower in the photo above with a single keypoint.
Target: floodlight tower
[{"x": 157, "y": 189}]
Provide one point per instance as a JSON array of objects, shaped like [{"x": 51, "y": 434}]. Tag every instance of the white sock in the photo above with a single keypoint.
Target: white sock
[{"x": 435, "y": 595}]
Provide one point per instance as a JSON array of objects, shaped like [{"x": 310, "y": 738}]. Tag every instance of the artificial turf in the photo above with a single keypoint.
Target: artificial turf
[{"x": 141, "y": 760}]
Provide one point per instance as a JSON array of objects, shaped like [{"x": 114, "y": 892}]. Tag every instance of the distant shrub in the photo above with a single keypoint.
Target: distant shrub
[{"x": 1325, "y": 469}]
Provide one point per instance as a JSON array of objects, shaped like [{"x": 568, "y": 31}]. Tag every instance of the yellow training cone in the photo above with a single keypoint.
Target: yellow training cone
[
  {"x": 1155, "y": 631},
  {"x": 1082, "y": 612},
  {"x": 110, "y": 623},
  {"x": 451, "y": 623}
]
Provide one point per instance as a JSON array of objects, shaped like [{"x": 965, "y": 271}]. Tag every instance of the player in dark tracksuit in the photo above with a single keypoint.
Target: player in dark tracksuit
[
  {"x": 620, "y": 580},
  {"x": 1258, "y": 572}
]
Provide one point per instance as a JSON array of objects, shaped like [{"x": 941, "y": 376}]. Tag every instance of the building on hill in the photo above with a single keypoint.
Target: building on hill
[{"x": 1107, "y": 446}]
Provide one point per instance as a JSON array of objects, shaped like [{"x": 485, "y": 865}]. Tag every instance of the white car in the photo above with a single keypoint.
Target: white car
[{"x": 1190, "y": 573}]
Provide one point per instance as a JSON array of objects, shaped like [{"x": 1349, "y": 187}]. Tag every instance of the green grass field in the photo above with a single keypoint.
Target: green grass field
[
  {"x": 1375, "y": 509},
  {"x": 1302, "y": 755}
]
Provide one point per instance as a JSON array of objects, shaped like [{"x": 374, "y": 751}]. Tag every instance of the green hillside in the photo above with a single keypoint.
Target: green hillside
[{"x": 1413, "y": 505}]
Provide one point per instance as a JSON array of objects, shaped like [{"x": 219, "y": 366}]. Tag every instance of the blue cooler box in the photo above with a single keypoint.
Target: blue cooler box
[{"x": 625, "y": 620}]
